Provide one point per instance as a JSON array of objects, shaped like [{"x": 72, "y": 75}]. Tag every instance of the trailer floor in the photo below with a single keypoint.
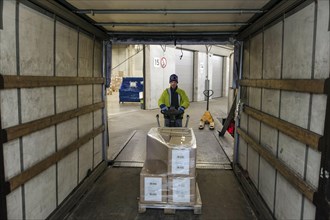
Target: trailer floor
[{"x": 115, "y": 194}]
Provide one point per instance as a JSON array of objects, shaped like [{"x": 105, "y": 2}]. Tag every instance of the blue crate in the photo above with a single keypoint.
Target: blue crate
[{"x": 130, "y": 89}]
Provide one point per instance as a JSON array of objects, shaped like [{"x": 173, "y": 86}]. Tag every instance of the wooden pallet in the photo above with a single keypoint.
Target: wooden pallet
[{"x": 170, "y": 209}]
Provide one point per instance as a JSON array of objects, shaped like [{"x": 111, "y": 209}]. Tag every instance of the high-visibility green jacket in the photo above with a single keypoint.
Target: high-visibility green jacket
[{"x": 165, "y": 98}]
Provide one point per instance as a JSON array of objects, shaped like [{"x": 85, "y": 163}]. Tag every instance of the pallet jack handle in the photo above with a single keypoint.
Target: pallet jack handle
[
  {"x": 208, "y": 93},
  {"x": 187, "y": 120}
]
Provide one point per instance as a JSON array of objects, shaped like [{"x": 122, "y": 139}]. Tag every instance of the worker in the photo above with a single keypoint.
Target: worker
[{"x": 173, "y": 98}]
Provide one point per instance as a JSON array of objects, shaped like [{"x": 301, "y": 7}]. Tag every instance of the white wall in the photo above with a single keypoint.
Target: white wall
[
  {"x": 130, "y": 58},
  {"x": 184, "y": 68},
  {"x": 226, "y": 75},
  {"x": 201, "y": 70},
  {"x": 119, "y": 54},
  {"x": 157, "y": 78},
  {"x": 217, "y": 76}
]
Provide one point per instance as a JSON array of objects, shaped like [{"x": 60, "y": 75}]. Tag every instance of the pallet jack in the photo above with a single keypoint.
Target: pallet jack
[
  {"x": 172, "y": 113},
  {"x": 207, "y": 117}
]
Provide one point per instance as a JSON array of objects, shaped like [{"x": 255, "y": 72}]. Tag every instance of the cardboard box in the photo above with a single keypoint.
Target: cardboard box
[
  {"x": 182, "y": 154},
  {"x": 182, "y": 161},
  {"x": 181, "y": 190},
  {"x": 153, "y": 182}
]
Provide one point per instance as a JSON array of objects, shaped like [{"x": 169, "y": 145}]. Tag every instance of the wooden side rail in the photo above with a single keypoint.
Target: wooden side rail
[
  {"x": 41, "y": 166},
  {"x": 17, "y": 131},
  {"x": 317, "y": 86},
  {"x": 307, "y": 190},
  {"x": 300, "y": 134},
  {"x": 10, "y": 82}
]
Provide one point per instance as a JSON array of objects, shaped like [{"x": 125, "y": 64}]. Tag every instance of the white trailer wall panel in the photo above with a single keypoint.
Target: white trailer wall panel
[
  {"x": 97, "y": 149},
  {"x": 253, "y": 156},
  {"x": 97, "y": 71},
  {"x": 46, "y": 46},
  {"x": 35, "y": 42},
  {"x": 322, "y": 43},
  {"x": 272, "y": 54},
  {"x": 85, "y": 97},
  {"x": 66, "y": 134},
  {"x": 292, "y": 48},
  {"x": 243, "y": 153},
  {"x": 297, "y": 64},
  {"x": 243, "y": 148},
  {"x": 36, "y": 58},
  {"x": 267, "y": 175},
  {"x": 286, "y": 194},
  {"x": 66, "y": 50},
  {"x": 66, "y": 65},
  {"x": 97, "y": 90},
  {"x": 9, "y": 107},
  {"x": 254, "y": 101}
]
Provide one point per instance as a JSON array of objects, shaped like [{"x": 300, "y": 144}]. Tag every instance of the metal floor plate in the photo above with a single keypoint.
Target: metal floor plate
[
  {"x": 128, "y": 164},
  {"x": 214, "y": 166}
]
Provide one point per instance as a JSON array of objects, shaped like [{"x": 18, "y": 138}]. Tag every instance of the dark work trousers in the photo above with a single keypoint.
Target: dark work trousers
[{"x": 178, "y": 122}]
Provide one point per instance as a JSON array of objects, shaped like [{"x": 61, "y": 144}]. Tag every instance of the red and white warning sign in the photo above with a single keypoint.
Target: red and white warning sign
[{"x": 163, "y": 62}]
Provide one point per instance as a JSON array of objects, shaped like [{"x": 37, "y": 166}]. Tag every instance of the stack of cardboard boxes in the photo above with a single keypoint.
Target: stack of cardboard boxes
[
  {"x": 168, "y": 177},
  {"x": 116, "y": 80}
]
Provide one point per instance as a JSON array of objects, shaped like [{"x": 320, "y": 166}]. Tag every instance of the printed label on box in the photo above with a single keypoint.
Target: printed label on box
[
  {"x": 153, "y": 189},
  {"x": 180, "y": 161},
  {"x": 181, "y": 190}
]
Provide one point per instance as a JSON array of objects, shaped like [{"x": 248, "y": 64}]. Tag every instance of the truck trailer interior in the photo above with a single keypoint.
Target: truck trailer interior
[{"x": 65, "y": 155}]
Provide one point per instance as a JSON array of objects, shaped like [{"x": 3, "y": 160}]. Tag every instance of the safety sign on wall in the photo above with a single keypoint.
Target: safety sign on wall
[
  {"x": 163, "y": 62},
  {"x": 160, "y": 62}
]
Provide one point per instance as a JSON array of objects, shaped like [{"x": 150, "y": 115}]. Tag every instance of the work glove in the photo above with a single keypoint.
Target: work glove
[
  {"x": 163, "y": 107},
  {"x": 181, "y": 109}
]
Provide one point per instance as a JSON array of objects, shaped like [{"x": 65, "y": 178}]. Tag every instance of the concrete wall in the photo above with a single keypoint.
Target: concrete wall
[
  {"x": 43, "y": 46},
  {"x": 127, "y": 59},
  {"x": 184, "y": 67},
  {"x": 201, "y": 70},
  {"x": 217, "y": 76},
  {"x": 157, "y": 77},
  {"x": 296, "y": 47}
]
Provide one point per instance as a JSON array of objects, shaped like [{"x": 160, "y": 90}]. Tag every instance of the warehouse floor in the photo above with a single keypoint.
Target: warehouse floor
[{"x": 115, "y": 194}]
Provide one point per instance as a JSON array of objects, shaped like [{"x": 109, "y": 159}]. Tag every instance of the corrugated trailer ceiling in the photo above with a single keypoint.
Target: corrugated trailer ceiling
[{"x": 160, "y": 19}]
